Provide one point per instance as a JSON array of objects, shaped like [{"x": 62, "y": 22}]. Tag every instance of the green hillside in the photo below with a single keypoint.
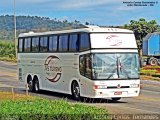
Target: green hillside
[{"x": 32, "y": 23}]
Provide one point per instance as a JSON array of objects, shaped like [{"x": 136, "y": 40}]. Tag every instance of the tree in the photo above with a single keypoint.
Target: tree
[
  {"x": 158, "y": 30},
  {"x": 77, "y": 22},
  {"x": 86, "y": 23},
  {"x": 32, "y": 23},
  {"x": 141, "y": 28}
]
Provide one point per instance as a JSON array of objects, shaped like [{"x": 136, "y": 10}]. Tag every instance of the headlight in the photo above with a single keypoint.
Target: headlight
[
  {"x": 134, "y": 85},
  {"x": 100, "y": 86}
]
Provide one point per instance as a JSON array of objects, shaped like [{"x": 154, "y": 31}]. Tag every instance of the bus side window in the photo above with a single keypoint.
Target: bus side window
[
  {"x": 43, "y": 44},
  {"x": 84, "y": 41},
  {"x": 20, "y": 45},
  {"x": 63, "y": 43},
  {"x": 27, "y": 44},
  {"x": 73, "y": 43},
  {"x": 53, "y": 40},
  {"x": 35, "y": 44}
]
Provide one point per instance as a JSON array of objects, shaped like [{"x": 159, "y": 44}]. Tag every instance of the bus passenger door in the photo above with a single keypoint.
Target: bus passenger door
[{"x": 85, "y": 72}]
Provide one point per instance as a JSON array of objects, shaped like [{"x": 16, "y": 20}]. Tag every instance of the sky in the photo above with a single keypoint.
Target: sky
[{"x": 98, "y": 12}]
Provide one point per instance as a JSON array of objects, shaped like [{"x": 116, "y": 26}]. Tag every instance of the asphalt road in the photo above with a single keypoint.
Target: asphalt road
[{"x": 147, "y": 103}]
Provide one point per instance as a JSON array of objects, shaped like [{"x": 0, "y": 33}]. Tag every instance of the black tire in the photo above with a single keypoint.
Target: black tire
[
  {"x": 116, "y": 99},
  {"x": 153, "y": 61},
  {"x": 36, "y": 86},
  {"x": 75, "y": 91}
]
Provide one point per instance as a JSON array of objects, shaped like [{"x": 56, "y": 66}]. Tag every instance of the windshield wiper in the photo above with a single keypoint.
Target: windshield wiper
[
  {"x": 120, "y": 68},
  {"x": 112, "y": 73},
  {"x": 125, "y": 71}
]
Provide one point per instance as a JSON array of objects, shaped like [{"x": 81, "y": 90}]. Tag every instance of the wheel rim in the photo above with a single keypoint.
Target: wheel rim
[
  {"x": 76, "y": 90},
  {"x": 30, "y": 85},
  {"x": 36, "y": 86},
  {"x": 153, "y": 62}
]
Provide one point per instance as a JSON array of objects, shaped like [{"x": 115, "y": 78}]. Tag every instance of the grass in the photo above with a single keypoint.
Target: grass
[
  {"x": 8, "y": 59},
  {"x": 9, "y": 96},
  {"x": 148, "y": 72},
  {"x": 28, "y": 107}
]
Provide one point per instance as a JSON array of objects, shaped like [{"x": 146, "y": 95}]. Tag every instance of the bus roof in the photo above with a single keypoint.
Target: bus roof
[{"x": 89, "y": 29}]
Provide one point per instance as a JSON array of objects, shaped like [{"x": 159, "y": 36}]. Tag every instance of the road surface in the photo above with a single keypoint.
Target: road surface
[{"x": 147, "y": 103}]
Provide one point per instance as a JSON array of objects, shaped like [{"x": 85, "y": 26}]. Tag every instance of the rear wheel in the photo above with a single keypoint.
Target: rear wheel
[
  {"x": 116, "y": 99},
  {"x": 75, "y": 91},
  {"x": 30, "y": 84}
]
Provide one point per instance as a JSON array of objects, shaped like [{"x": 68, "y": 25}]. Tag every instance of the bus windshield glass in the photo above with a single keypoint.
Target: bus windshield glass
[{"x": 115, "y": 66}]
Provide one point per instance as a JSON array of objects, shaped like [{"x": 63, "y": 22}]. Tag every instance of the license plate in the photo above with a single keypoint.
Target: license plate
[{"x": 117, "y": 93}]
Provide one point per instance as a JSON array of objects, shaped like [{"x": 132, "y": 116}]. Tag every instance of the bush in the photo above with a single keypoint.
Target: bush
[
  {"x": 7, "y": 51},
  {"x": 11, "y": 56},
  {"x": 154, "y": 67},
  {"x": 151, "y": 67},
  {"x": 156, "y": 75},
  {"x": 147, "y": 72}
]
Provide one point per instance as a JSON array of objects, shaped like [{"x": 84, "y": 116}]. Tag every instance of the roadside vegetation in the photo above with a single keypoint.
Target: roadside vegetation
[
  {"x": 27, "y": 107},
  {"x": 32, "y": 23},
  {"x": 7, "y": 51},
  {"x": 150, "y": 72}
]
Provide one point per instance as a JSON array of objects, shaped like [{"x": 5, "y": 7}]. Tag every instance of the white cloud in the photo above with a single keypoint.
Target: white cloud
[
  {"x": 80, "y": 4},
  {"x": 31, "y": 1},
  {"x": 67, "y": 4}
]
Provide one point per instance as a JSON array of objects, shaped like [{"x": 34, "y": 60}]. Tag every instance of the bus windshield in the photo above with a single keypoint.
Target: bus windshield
[{"x": 115, "y": 66}]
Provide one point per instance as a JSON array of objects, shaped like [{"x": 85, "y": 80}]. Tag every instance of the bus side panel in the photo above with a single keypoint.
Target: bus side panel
[
  {"x": 68, "y": 66},
  {"x": 86, "y": 88}
]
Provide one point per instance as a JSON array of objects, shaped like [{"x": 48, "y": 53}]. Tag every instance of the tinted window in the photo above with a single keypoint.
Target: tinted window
[
  {"x": 20, "y": 45},
  {"x": 85, "y": 65},
  {"x": 84, "y": 41},
  {"x": 63, "y": 43},
  {"x": 82, "y": 65},
  {"x": 53, "y": 43},
  {"x": 88, "y": 66},
  {"x": 73, "y": 43},
  {"x": 27, "y": 44},
  {"x": 35, "y": 44},
  {"x": 43, "y": 44}
]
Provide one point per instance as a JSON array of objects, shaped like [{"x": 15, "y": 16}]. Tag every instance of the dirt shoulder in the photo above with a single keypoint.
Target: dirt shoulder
[{"x": 146, "y": 77}]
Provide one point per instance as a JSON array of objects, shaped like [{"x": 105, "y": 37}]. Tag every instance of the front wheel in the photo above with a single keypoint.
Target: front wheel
[
  {"x": 75, "y": 91},
  {"x": 116, "y": 99}
]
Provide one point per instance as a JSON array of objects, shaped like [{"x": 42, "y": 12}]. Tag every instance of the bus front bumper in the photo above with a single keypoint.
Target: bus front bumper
[{"x": 111, "y": 93}]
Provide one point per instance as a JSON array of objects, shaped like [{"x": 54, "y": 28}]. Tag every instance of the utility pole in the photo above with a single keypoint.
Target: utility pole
[{"x": 15, "y": 33}]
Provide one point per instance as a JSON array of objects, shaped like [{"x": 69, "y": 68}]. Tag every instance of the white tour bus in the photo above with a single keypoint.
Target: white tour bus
[{"x": 91, "y": 62}]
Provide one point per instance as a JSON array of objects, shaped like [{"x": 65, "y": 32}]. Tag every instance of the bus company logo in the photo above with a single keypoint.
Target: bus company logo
[
  {"x": 118, "y": 86},
  {"x": 113, "y": 40},
  {"x": 52, "y": 68}
]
